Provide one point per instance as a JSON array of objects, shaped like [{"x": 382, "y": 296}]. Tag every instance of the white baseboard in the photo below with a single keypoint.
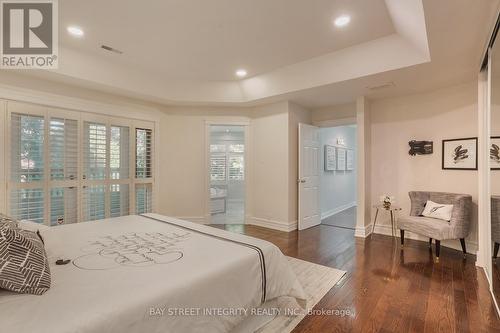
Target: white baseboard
[
  {"x": 338, "y": 210},
  {"x": 363, "y": 232},
  {"x": 384, "y": 229},
  {"x": 272, "y": 224}
]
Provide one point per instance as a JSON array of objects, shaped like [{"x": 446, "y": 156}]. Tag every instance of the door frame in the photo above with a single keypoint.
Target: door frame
[
  {"x": 328, "y": 123},
  {"x": 206, "y": 201}
]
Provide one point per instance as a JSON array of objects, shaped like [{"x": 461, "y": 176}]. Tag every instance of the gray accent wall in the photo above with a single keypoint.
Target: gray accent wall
[{"x": 337, "y": 188}]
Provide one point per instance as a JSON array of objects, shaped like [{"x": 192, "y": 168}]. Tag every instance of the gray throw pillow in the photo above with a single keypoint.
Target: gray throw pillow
[{"x": 24, "y": 267}]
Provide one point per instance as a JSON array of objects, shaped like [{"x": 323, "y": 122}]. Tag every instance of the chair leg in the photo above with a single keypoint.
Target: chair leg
[
  {"x": 430, "y": 243},
  {"x": 495, "y": 250},
  {"x": 462, "y": 242},
  {"x": 402, "y": 232},
  {"x": 438, "y": 248}
]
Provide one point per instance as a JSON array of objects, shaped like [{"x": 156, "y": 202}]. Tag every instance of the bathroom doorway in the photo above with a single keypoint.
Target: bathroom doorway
[{"x": 227, "y": 174}]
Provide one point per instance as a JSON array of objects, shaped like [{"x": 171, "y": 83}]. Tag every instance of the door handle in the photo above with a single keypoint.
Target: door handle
[{"x": 301, "y": 181}]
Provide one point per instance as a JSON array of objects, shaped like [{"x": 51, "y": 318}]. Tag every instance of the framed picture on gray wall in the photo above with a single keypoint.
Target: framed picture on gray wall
[
  {"x": 330, "y": 158},
  {"x": 341, "y": 159},
  {"x": 495, "y": 153},
  {"x": 349, "y": 164},
  {"x": 460, "y": 154}
]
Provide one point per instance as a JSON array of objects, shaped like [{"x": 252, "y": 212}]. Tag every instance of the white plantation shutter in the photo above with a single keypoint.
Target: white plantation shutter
[
  {"x": 93, "y": 202},
  {"x": 143, "y": 153},
  {"x": 27, "y": 204},
  {"x": 119, "y": 200},
  {"x": 217, "y": 148},
  {"x": 236, "y": 167},
  {"x": 94, "y": 151},
  {"x": 66, "y": 166},
  {"x": 218, "y": 167},
  {"x": 63, "y": 205},
  {"x": 27, "y": 148},
  {"x": 237, "y": 148},
  {"x": 119, "y": 152},
  {"x": 143, "y": 198},
  {"x": 63, "y": 147}
]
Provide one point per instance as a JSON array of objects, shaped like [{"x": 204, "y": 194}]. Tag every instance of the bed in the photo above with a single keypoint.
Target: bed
[{"x": 152, "y": 273}]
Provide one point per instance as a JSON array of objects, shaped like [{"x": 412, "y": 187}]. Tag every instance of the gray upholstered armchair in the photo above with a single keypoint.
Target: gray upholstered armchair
[
  {"x": 457, "y": 228},
  {"x": 495, "y": 223}
]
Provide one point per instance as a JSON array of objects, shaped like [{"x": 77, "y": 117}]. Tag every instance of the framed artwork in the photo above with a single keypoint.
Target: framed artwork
[
  {"x": 330, "y": 158},
  {"x": 460, "y": 154},
  {"x": 495, "y": 153},
  {"x": 350, "y": 160},
  {"x": 341, "y": 159}
]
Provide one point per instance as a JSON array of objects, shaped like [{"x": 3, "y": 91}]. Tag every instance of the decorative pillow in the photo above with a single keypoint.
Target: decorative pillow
[
  {"x": 32, "y": 226},
  {"x": 24, "y": 267},
  {"x": 437, "y": 211},
  {"x": 7, "y": 222}
]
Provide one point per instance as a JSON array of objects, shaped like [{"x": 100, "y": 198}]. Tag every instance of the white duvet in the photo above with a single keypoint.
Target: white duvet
[{"x": 150, "y": 274}]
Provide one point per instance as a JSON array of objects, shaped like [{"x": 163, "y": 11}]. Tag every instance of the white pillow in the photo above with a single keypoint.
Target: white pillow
[
  {"x": 437, "y": 211},
  {"x": 32, "y": 226}
]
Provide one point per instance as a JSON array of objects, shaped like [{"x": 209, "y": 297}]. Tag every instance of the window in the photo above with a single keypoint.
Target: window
[
  {"x": 227, "y": 162},
  {"x": 217, "y": 148},
  {"x": 236, "y": 167},
  {"x": 27, "y": 142},
  {"x": 120, "y": 152},
  {"x": 27, "y": 169},
  {"x": 28, "y": 204},
  {"x": 218, "y": 167},
  {"x": 143, "y": 160},
  {"x": 63, "y": 205},
  {"x": 143, "y": 198},
  {"x": 63, "y": 147},
  {"x": 64, "y": 169},
  {"x": 94, "y": 158},
  {"x": 93, "y": 198}
]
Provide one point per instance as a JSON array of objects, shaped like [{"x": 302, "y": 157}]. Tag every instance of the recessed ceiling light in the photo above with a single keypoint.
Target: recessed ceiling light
[
  {"x": 75, "y": 31},
  {"x": 342, "y": 21},
  {"x": 241, "y": 73}
]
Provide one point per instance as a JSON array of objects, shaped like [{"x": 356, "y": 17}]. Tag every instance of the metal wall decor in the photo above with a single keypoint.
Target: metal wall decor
[{"x": 420, "y": 147}]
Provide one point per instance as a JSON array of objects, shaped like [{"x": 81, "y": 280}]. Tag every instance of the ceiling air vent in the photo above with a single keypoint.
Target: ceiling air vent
[
  {"x": 111, "y": 49},
  {"x": 382, "y": 86}
]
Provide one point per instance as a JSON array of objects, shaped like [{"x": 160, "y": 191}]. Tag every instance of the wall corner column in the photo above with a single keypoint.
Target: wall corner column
[{"x": 364, "y": 204}]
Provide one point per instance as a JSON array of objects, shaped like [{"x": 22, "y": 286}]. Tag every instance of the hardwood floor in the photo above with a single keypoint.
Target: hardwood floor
[
  {"x": 388, "y": 289},
  {"x": 343, "y": 219}
]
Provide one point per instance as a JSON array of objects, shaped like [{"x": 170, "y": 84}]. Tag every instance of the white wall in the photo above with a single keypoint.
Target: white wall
[
  {"x": 183, "y": 152},
  {"x": 337, "y": 188},
  {"x": 269, "y": 133},
  {"x": 443, "y": 114},
  {"x": 271, "y": 188},
  {"x": 337, "y": 115}
]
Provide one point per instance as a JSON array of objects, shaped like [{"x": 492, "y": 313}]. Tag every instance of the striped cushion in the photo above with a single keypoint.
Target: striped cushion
[
  {"x": 7, "y": 222},
  {"x": 24, "y": 267}
]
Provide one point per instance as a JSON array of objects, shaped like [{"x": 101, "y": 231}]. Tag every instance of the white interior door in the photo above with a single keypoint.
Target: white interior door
[{"x": 308, "y": 182}]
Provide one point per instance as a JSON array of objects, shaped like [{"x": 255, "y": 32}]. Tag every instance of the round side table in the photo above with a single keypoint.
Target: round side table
[{"x": 392, "y": 210}]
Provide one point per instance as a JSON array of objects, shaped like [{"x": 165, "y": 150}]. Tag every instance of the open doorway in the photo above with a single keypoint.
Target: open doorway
[
  {"x": 227, "y": 174},
  {"x": 337, "y": 176}
]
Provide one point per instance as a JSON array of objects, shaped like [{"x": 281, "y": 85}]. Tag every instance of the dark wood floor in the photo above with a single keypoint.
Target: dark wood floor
[
  {"x": 388, "y": 289},
  {"x": 343, "y": 219}
]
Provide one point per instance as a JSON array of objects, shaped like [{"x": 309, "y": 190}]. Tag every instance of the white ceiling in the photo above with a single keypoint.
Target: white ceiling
[
  {"x": 186, "y": 51},
  {"x": 210, "y": 40}
]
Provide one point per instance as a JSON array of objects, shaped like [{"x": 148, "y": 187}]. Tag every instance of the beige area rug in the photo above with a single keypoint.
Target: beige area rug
[{"x": 316, "y": 280}]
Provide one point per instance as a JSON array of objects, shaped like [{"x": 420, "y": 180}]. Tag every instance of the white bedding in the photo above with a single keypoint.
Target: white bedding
[{"x": 136, "y": 274}]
